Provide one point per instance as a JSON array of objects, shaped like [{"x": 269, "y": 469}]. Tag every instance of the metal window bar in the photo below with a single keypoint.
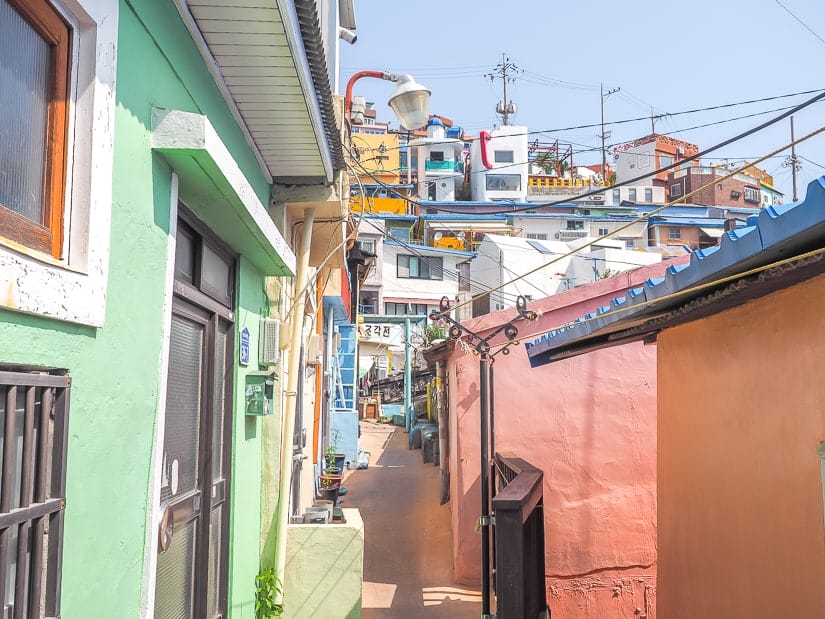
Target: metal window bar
[
  {"x": 34, "y": 409},
  {"x": 518, "y": 508}
]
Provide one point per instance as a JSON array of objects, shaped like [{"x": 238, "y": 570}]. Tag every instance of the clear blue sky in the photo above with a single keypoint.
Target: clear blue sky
[{"x": 671, "y": 56}]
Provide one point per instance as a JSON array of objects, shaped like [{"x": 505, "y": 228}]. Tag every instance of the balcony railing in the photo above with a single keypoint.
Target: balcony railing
[{"x": 518, "y": 508}]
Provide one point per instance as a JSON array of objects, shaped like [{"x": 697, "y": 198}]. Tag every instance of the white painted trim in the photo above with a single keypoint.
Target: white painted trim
[
  {"x": 74, "y": 288},
  {"x": 217, "y": 76},
  {"x": 176, "y": 131},
  {"x": 150, "y": 547}
]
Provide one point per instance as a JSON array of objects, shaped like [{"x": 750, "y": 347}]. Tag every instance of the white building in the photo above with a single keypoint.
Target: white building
[
  {"x": 440, "y": 164},
  {"x": 499, "y": 166},
  {"x": 501, "y": 259},
  {"x": 567, "y": 228}
]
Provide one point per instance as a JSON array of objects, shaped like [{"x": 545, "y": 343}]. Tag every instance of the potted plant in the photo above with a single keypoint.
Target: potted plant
[{"x": 334, "y": 461}]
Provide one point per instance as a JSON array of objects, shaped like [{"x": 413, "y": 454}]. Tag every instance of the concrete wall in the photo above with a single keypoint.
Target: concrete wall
[
  {"x": 117, "y": 370},
  {"x": 590, "y": 424},
  {"x": 740, "y": 484},
  {"x": 325, "y": 569}
]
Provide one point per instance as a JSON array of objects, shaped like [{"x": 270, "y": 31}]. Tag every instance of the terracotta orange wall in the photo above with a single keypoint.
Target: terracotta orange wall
[
  {"x": 741, "y": 415},
  {"x": 590, "y": 424}
]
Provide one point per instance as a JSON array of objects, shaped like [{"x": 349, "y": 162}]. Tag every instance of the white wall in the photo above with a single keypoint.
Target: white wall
[
  {"x": 418, "y": 290},
  {"x": 634, "y": 162},
  {"x": 511, "y": 137}
]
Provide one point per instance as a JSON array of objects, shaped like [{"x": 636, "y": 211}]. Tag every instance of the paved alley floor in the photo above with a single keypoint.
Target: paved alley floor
[{"x": 407, "y": 548}]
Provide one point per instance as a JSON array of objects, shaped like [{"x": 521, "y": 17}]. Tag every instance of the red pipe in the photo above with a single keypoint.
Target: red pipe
[
  {"x": 355, "y": 77},
  {"x": 484, "y": 137}
]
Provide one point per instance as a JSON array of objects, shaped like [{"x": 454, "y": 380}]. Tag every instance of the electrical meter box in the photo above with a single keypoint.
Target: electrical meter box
[{"x": 260, "y": 390}]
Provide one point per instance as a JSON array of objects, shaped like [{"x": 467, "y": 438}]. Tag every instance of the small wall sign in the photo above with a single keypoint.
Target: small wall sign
[{"x": 243, "y": 353}]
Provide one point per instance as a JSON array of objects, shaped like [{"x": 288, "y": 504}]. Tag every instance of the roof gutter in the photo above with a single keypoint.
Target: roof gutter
[{"x": 304, "y": 36}]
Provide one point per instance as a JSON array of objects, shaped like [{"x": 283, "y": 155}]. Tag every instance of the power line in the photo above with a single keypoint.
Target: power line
[
  {"x": 658, "y": 210},
  {"x": 802, "y": 23},
  {"x": 670, "y": 166}
]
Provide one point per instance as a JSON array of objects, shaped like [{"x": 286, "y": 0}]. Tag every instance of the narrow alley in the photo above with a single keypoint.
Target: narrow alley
[{"x": 407, "y": 553}]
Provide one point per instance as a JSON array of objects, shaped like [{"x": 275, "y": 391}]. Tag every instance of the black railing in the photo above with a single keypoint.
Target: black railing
[
  {"x": 518, "y": 508},
  {"x": 34, "y": 408}
]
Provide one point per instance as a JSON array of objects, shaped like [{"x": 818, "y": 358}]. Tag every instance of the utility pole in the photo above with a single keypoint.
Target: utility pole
[
  {"x": 504, "y": 108},
  {"x": 792, "y": 162},
  {"x": 605, "y": 134}
]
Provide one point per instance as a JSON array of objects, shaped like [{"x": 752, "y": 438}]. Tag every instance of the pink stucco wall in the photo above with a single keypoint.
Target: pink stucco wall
[
  {"x": 741, "y": 417},
  {"x": 590, "y": 424}
]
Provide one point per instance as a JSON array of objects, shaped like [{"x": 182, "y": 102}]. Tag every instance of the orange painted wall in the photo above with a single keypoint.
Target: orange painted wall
[{"x": 740, "y": 496}]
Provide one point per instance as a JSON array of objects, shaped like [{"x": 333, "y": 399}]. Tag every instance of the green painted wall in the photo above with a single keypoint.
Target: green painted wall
[
  {"x": 245, "y": 519},
  {"x": 325, "y": 569},
  {"x": 115, "y": 369}
]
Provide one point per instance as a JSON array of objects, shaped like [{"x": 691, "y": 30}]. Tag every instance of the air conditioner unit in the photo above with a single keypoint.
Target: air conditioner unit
[
  {"x": 597, "y": 198},
  {"x": 269, "y": 349},
  {"x": 557, "y": 235},
  {"x": 314, "y": 353}
]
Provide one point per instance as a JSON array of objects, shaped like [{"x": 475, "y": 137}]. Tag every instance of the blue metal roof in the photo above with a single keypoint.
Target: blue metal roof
[{"x": 777, "y": 233}]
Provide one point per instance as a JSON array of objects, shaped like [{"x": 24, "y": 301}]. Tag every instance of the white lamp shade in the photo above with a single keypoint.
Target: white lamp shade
[{"x": 411, "y": 102}]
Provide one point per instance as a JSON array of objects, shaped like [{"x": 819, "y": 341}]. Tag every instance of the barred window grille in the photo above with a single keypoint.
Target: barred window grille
[{"x": 34, "y": 408}]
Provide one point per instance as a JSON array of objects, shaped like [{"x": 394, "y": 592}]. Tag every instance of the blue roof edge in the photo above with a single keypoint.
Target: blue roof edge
[{"x": 775, "y": 233}]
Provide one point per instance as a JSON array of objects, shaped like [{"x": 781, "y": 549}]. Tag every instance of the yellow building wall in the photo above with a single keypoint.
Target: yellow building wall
[{"x": 379, "y": 155}]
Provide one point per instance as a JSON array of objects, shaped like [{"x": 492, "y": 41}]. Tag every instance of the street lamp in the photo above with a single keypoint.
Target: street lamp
[{"x": 410, "y": 100}]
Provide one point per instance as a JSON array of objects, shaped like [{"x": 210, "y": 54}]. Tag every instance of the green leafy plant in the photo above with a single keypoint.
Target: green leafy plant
[
  {"x": 435, "y": 332},
  {"x": 332, "y": 449},
  {"x": 267, "y": 590}
]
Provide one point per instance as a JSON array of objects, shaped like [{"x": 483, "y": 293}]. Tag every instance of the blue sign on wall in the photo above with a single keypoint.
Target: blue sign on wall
[{"x": 244, "y": 350}]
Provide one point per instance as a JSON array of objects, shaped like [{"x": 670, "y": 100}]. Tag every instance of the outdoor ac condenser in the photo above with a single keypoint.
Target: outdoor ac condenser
[{"x": 269, "y": 350}]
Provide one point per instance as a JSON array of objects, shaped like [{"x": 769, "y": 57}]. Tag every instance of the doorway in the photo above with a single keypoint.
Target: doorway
[{"x": 191, "y": 577}]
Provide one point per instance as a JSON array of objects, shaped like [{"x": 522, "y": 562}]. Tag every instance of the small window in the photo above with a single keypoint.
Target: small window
[
  {"x": 751, "y": 195},
  {"x": 675, "y": 190},
  {"x": 674, "y": 233},
  {"x": 603, "y": 231},
  {"x": 436, "y": 155},
  {"x": 419, "y": 267},
  {"x": 537, "y": 236},
  {"x": 503, "y": 156},
  {"x": 576, "y": 224},
  {"x": 617, "y": 196},
  {"x": 631, "y": 195},
  {"x": 367, "y": 245},
  {"x": 648, "y": 194},
  {"x": 629, "y": 243},
  {"x": 35, "y": 43},
  {"x": 503, "y": 182},
  {"x": 665, "y": 160}
]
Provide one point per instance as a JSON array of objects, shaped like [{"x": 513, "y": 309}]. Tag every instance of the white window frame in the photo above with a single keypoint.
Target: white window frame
[
  {"x": 675, "y": 190},
  {"x": 72, "y": 288}
]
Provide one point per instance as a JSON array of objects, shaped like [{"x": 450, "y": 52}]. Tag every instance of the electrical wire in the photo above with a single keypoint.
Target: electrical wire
[
  {"x": 802, "y": 23},
  {"x": 653, "y": 212},
  {"x": 679, "y": 293},
  {"x": 674, "y": 164}
]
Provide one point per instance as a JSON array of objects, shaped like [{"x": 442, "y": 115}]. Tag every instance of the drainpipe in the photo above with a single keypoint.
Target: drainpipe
[
  {"x": 288, "y": 428},
  {"x": 407, "y": 376},
  {"x": 443, "y": 436}
]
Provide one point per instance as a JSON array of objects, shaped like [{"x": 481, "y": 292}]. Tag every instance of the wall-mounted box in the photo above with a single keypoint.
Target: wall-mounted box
[{"x": 259, "y": 392}]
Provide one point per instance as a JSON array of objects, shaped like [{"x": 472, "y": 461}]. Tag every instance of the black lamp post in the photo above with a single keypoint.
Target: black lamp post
[{"x": 481, "y": 347}]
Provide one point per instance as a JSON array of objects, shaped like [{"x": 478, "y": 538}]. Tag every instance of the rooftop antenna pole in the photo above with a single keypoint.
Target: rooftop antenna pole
[{"x": 505, "y": 108}]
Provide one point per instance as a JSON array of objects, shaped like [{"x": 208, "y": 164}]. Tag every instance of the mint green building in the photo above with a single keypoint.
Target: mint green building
[{"x": 138, "y": 242}]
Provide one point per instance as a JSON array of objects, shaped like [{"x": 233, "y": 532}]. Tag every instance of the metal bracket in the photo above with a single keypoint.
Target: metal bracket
[
  {"x": 487, "y": 521},
  {"x": 486, "y": 616}
]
